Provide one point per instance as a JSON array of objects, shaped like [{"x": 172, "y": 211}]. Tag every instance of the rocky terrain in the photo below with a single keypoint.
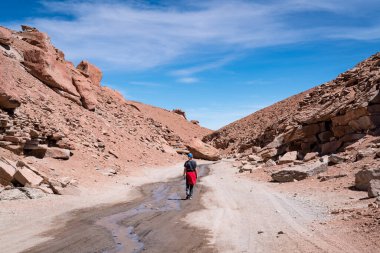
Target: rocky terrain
[
  {"x": 60, "y": 128},
  {"x": 325, "y": 119},
  {"x": 326, "y": 136},
  {"x": 315, "y": 154}
]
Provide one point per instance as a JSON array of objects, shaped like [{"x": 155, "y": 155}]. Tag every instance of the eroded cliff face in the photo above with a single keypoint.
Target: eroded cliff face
[{"x": 325, "y": 119}]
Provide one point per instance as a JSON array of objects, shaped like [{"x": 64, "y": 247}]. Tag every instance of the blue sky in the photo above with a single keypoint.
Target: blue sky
[{"x": 217, "y": 60}]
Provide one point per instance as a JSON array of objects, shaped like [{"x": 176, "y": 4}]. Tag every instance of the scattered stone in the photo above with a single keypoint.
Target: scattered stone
[
  {"x": 289, "y": 157},
  {"x": 336, "y": 159},
  {"x": 363, "y": 177},
  {"x": 255, "y": 158},
  {"x": 268, "y": 153},
  {"x": 310, "y": 156},
  {"x": 256, "y": 149},
  {"x": 25, "y": 176},
  {"x": 247, "y": 167},
  {"x": 368, "y": 152},
  {"x": 300, "y": 172},
  {"x": 325, "y": 178},
  {"x": 374, "y": 188},
  {"x": 270, "y": 163},
  {"x": 58, "y": 153}
]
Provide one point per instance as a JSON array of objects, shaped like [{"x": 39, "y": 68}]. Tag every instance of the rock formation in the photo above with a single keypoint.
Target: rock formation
[
  {"x": 325, "y": 119},
  {"x": 60, "y": 119},
  {"x": 201, "y": 150}
]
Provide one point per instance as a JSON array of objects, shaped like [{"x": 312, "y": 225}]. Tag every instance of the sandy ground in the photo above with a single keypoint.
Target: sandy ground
[{"x": 231, "y": 212}]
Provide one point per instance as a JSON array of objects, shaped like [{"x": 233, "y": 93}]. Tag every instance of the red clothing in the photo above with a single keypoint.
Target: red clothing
[{"x": 191, "y": 177}]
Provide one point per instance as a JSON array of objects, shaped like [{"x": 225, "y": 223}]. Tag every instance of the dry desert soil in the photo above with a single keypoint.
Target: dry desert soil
[{"x": 230, "y": 212}]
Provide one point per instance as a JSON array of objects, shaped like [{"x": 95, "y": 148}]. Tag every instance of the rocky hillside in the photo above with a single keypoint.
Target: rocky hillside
[
  {"x": 58, "y": 117},
  {"x": 325, "y": 119}
]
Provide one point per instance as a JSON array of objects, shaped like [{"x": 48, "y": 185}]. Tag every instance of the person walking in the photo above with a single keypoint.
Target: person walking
[{"x": 190, "y": 173}]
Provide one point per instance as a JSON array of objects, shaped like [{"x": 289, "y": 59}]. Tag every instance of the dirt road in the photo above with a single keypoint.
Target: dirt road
[
  {"x": 248, "y": 216},
  {"x": 229, "y": 213},
  {"x": 151, "y": 223}
]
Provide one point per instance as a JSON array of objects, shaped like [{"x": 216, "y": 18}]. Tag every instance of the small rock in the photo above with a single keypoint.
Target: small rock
[{"x": 374, "y": 188}]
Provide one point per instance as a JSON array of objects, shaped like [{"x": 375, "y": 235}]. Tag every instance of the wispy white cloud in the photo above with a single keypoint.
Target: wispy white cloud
[
  {"x": 188, "y": 80},
  {"x": 131, "y": 36},
  {"x": 203, "y": 67}
]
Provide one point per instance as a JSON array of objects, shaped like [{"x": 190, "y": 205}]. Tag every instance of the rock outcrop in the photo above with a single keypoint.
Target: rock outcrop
[
  {"x": 300, "y": 172},
  {"x": 325, "y": 119},
  {"x": 5, "y": 36},
  {"x": 201, "y": 150},
  {"x": 179, "y": 112},
  {"x": 48, "y": 64},
  {"x": 91, "y": 71},
  {"x": 58, "y": 118}
]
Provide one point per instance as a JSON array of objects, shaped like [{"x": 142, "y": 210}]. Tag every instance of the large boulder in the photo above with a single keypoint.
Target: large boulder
[
  {"x": 84, "y": 88},
  {"x": 37, "y": 39},
  {"x": 268, "y": 153},
  {"x": 25, "y": 176},
  {"x": 8, "y": 99},
  {"x": 50, "y": 70},
  {"x": 91, "y": 71},
  {"x": 300, "y": 172},
  {"x": 7, "y": 171},
  {"x": 201, "y": 150},
  {"x": 363, "y": 177},
  {"x": 47, "y": 63},
  {"x": 5, "y": 36},
  {"x": 58, "y": 153}
]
